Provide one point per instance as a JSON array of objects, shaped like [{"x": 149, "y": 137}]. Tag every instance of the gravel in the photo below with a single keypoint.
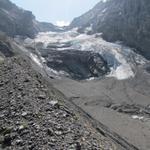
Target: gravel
[{"x": 34, "y": 115}]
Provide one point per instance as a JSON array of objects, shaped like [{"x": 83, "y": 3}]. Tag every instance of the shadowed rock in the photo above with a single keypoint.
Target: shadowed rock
[
  {"x": 78, "y": 64},
  {"x": 124, "y": 20},
  {"x": 5, "y": 49}
]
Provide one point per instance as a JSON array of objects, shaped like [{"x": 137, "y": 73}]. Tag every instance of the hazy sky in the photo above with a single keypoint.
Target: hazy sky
[{"x": 60, "y": 11}]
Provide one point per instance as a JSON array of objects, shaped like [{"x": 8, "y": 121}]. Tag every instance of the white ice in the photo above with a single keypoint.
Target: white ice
[
  {"x": 137, "y": 117},
  {"x": 35, "y": 59}
]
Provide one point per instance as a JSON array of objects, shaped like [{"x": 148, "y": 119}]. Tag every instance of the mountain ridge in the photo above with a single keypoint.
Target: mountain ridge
[
  {"x": 17, "y": 21},
  {"x": 122, "y": 20}
]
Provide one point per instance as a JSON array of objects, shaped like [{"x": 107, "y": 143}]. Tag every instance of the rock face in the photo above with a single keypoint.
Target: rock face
[
  {"x": 5, "y": 49},
  {"x": 45, "y": 27},
  {"x": 123, "y": 20},
  {"x": 16, "y": 21},
  {"x": 78, "y": 64}
]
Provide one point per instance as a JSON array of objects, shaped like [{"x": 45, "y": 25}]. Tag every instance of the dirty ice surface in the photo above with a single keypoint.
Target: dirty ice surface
[{"x": 121, "y": 59}]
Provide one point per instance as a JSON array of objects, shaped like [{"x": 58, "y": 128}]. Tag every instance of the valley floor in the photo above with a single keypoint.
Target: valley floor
[{"x": 123, "y": 106}]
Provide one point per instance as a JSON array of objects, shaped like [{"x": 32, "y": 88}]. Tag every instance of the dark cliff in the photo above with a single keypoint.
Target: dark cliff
[
  {"x": 124, "y": 20},
  {"x": 16, "y": 21}
]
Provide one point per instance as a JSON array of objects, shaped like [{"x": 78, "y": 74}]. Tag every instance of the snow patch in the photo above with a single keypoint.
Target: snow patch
[
  {"x": 137, "y": 117},
  {"x": 36, "y": 59},
  {"x": 90, "y": 79},
  {"x": 104, "y": 10},
  {"x": 104, "y": 1}
]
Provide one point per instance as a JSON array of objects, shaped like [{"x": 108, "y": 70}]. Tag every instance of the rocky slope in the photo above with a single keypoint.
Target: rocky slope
[
  {"x": 16, "y": 21},
  {"x": 123, "y": 20},
  {"x": 33, "y": 115}
]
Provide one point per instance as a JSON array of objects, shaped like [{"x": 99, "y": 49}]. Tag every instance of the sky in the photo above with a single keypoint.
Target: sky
[{"x": 60, "y": 12}]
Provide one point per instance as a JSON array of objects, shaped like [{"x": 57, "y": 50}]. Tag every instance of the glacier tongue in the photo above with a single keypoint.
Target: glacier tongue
[
  {"x": 122, "y": 72},
  {"x": 120, "y": 59}
]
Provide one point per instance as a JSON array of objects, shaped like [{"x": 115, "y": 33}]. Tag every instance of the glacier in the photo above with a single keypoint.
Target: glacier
[{"x": 120, "y": 58}]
